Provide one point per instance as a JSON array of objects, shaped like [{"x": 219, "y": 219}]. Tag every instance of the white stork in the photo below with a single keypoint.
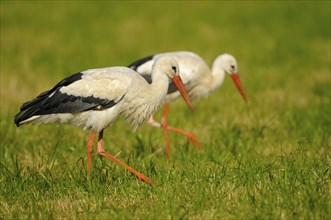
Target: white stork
[
  {"x": 95, "y": 98},
  {"x": 198, "y": 78}
]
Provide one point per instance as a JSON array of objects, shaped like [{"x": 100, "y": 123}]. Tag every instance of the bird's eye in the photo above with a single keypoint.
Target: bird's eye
[
  {"x": 174, "y": 68},
  {"x": 232, "y": 67}
]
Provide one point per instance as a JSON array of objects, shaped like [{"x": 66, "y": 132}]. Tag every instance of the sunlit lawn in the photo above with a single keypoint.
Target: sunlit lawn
[{"x": 267, "y": 159}]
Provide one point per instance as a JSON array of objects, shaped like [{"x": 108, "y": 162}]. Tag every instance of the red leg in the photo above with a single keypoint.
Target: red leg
[
  {"x": 164, "y": 124},
  {"x": 189, "y": 135},
  {"x": 89, "y": 151},
  {"x": 102, "y": 152}
]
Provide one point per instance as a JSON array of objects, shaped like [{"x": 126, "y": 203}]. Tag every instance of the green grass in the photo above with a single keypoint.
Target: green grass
[{"x": 267, "y": 159}]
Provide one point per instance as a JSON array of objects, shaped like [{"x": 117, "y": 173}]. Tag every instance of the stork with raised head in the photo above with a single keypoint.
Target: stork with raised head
[
  {"x": 198, "y": 78},
  {"x": 95, "y": 98}
]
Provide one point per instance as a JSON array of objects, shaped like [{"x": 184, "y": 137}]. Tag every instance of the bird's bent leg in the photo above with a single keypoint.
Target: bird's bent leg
[
  {"x": 189, "y": 135},
  {"x": 102, "y": 152},
  {"x": 164, "y": 124},
  {"x": 89, "y": 152}
]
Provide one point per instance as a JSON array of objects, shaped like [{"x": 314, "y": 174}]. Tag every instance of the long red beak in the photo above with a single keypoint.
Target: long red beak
[
  {"x": 236, "y": 80},
  {"x": 181, "y": 88}
]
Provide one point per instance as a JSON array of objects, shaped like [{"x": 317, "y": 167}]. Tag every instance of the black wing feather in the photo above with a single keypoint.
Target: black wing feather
[
  {"x": 67, "y": 81},
  {"x": 54, "y": 101},
  {"x": 172, "y": 88},
  {"x": 148, "y": 78},
  {"x": 63, "y": 103},
  {"x": 138, "y": 63}
]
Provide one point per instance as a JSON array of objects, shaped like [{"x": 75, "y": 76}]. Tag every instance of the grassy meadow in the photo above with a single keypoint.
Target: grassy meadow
[{"x": 267, "y": 159}]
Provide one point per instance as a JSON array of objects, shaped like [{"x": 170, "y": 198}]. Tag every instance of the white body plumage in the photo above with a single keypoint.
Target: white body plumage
[{"x": 119, "y": 90}]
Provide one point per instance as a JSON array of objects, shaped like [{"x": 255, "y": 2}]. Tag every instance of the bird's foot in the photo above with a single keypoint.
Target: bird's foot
[
  {"x": 145, "y": 179},
  {"x": 192, "y": 139}
]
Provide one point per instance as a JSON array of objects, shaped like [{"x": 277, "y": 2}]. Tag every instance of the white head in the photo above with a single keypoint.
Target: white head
[
  {"x": 228, "y": 64},
  {"x": 169, "y": 66}
]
